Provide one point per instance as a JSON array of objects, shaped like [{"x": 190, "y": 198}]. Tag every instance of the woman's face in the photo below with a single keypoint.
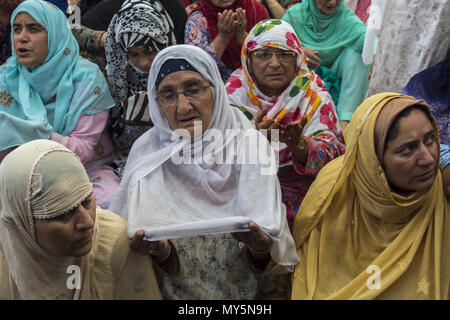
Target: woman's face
[
  {"x": 29, "y": 41},
  {"x": 411, "y": 159},
  {"x": 186, "y": 110},
  {"x": 222, "y": 3},
  {"x": 272, "y": 69},
  {"x": 327, "y": 6},
  {"x": 141, "y": 57},
  {"x": 191, "y": 7},
  {"x": 70, "y": 234}
]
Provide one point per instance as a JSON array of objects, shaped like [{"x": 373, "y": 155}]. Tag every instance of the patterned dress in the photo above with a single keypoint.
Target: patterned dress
[
  {"x": 411, "y": 40},
  {"x": 305, "y": 97},
  {"x": 211, "y": 267}
]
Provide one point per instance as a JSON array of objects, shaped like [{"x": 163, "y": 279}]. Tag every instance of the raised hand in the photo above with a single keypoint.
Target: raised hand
[
  {"x": 225, "y": 25},
  {"x": 312, "y": 60},
  {"x": 240, "y": 23}
]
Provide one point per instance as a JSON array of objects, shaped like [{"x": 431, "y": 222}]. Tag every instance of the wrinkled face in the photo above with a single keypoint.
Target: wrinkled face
[
  {"x": 70, "y": 234},
  {"x": 272, "y": 69},
  {"x": 411, "y": 159},
  {"x": 141, "y": 57},
  {"x": 196, "y": 104},
  {"x": 29, "y": 41},
  {"x": 222, "y": 3},
  {"x": 327, "y": 6}
]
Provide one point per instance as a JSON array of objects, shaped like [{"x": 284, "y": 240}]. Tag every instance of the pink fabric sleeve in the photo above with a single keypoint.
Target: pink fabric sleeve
[{"x": 85, "y": 136}]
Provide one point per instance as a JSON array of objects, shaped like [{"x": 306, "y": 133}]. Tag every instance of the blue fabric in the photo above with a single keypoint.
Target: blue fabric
[
  {"x": 445, "y": 156},
  {"x": 52, "y": 97},
  {"x": 61, "y": 4},
  {"x": 171, "y": 66},
  {"x": 433, "y": 86}
]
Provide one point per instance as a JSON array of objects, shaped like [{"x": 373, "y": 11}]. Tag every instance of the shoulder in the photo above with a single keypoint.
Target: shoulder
[
  {"x": 113, "y": 242},
  {"x": 196, "y": 15}
]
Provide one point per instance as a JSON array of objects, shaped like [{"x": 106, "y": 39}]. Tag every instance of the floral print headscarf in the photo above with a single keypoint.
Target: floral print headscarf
[{"x": 306, "y": 95}]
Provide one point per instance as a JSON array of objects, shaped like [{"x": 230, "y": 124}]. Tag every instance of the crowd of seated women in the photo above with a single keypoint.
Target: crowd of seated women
[{"x": 88, "y": 116}]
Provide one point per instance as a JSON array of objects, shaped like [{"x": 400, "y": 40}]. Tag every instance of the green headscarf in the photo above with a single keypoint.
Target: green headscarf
[{"x": 329, "y": 34}]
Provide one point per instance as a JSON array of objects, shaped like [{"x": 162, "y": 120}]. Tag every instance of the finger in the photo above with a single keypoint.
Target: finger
[
  {"x": 316, "y": 58},
  {"x": 229, "y": 16},
  {"x": 259, "y": 116},
  {"x": 136, "y": 241},
  {"x": 296, "y": 127},
  {"x": 153, "y": 245},
  {"x": 304, "y": 121},
  {"x": 263, "y": 239}
]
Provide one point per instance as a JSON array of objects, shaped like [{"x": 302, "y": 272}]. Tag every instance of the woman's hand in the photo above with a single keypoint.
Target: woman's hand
[
  {"x": 291, "y": 133},
  {"x": 268, "y": 125},
  {"x": 225, "y": 25},
  {"x": 158, "y": 250},
  {"x": 240, "y": 23},
  {"x": 257, "y": 241},
  {"x": 312, "y": 60}
]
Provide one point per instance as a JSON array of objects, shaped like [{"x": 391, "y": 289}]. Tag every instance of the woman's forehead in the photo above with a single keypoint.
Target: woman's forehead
[
  {"x": 24, "y": 17},
  {"x": 179, "y": 78}
]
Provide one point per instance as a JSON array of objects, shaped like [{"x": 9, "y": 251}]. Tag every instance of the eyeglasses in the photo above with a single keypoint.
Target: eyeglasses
[
  {"x": 192, "y": 92},
  {"x": 281, "y": 55}
]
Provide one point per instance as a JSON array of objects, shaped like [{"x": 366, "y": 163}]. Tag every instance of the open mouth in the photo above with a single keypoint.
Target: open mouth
[
  {"x": 190, "y": 119},
  {"x": 22, "y": 51}
]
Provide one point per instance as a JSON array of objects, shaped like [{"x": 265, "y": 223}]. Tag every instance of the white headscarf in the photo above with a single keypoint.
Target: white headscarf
[
  {"x": 169, "y": 200},
  {"x": 41, "y": 180}
]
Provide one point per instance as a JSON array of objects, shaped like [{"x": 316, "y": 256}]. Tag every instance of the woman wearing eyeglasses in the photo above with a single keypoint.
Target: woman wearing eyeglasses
[
  {"x": 196, "y": 201},
  {"x": 275, "y": 89}
]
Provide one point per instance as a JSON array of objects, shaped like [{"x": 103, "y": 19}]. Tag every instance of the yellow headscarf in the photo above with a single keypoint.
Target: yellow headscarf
[{"x": 357, "y": 239}]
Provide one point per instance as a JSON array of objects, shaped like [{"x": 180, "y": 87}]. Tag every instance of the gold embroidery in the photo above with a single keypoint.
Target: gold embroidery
[
  {"x": 298, "y": 275},
  {"x": 52, "y": 5},
  {"x": 6, "y": 98},
  {"x": 96, "y": 179},
  {"x": 97, "y": 90},
  {"x": 403, "y": 264},
  {"x": 385, "y": 227},
  {"x": 67, "y": 51},
  {"x": 332, "y": 293},
  {"x": 423, "y": 286},
  {"x": 350, "y": 224},
  {"x": 99, "y": 151}
]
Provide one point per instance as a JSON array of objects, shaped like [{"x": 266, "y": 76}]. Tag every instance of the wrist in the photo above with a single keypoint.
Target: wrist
[
  {"x": 166, "y": 258},
  {"x": 259, "y": 254},
  {"x": 223, "y": 39}
]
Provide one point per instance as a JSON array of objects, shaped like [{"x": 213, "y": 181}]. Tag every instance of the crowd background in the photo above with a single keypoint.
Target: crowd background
[{"x": 92, "y": 90}]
